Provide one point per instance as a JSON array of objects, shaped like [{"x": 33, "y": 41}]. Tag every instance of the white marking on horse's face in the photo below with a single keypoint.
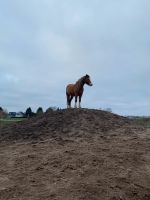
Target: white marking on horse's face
[{"x": 90, "y": 82}]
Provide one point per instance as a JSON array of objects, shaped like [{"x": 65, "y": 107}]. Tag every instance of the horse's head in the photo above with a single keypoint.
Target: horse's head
[{"x": 87, "y": 80}]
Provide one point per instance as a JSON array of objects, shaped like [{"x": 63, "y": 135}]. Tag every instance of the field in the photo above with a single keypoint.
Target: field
[
  {"x": 143, "y": 121},
  {"x": 75, "y": 155},
  {"x": 10, "y": 120}
]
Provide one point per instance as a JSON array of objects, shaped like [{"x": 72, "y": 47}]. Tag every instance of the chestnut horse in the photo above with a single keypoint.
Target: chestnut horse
[{"x": 76, "y": 90}]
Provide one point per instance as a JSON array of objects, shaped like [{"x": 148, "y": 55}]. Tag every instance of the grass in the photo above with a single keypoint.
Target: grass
[
  {"x": 10, "y": 120},
  {"x": 143, "y": 121}
]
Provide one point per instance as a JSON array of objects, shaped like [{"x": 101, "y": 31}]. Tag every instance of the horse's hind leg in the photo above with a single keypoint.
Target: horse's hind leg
[{"x": 68, "y": 100}]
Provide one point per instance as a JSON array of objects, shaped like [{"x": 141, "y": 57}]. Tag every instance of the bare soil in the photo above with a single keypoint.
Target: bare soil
[{"x": 75, "y": 154}]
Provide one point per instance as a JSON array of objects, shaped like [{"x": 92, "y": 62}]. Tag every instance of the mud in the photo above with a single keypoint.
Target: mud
[{"x": 75, "y": 155}]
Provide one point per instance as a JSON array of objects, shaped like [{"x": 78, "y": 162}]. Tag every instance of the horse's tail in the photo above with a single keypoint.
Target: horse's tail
[{"x": 67, "y": 96}]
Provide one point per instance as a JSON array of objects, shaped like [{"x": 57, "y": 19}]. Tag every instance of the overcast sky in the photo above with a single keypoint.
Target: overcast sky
[{"x": 46, "y": 44}]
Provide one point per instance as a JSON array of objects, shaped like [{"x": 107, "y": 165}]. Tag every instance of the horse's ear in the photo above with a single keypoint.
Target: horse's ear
[{"x": 87, "y": 76}]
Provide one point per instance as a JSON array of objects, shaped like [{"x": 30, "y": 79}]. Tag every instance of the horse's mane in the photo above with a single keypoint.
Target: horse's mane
[{"x": 80, "y": 80}]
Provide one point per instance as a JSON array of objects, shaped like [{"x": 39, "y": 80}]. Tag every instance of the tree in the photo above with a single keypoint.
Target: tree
[
  {"x": 29, "y": 112},
  {"x": 3, "y": 113},
  {"x": 39, "y": 111}
]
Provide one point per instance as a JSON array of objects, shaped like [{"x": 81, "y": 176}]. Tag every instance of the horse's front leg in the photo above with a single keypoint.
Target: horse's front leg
[
  {"x": 80, "y": 101},
  {"x": 76, "y": 98}
]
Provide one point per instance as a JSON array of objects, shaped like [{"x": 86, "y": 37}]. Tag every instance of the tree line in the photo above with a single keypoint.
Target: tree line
[{"x": 28, "y": 113}]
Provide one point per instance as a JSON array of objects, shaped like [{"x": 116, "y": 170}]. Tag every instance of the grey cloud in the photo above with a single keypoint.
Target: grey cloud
[{"x": 46, "y": 44}]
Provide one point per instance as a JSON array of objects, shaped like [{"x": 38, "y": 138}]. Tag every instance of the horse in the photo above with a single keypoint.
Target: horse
[{"x": 76, "y": 90}]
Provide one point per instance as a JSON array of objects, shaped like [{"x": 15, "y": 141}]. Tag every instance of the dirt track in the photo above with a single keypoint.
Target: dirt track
[{"x": 75, "y": 155}]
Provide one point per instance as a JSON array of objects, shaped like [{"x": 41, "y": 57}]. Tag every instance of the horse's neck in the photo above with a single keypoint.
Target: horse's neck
[{"x": 80, "y": 83}]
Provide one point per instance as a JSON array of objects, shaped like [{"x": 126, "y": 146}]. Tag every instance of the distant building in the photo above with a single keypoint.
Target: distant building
[
  {"x": 108, "y": 110},
  {"x": 16, "y": 114},
  {"x": 12, "y": 114},
  {"x": 20, "y": 114}
]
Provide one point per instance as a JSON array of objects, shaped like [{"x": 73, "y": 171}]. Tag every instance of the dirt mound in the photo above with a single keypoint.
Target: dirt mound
[
  {"x": 75, "y": 155},
  {"x": 63, "y": 123}
]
